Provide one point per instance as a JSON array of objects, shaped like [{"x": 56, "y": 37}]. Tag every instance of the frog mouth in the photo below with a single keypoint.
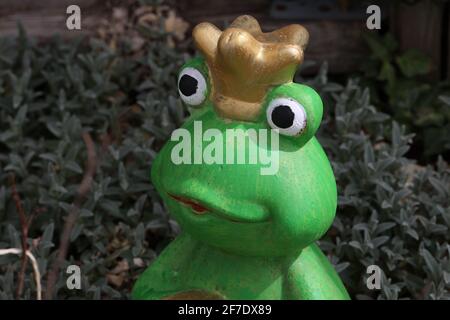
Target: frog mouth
[
  {"x": 195, "y": 206},
  {"x": 200, "y": 209}
]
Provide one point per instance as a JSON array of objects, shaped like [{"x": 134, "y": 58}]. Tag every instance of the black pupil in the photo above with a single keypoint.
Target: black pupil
[
  {"x": 283, "y": 117},
  {"x": 187, "y": 85}
]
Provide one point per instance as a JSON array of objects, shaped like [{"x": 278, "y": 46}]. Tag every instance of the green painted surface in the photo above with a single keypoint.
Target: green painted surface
[{"x": 256, "y": 241}]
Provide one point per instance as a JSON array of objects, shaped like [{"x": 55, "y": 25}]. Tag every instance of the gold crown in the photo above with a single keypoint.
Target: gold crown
[{"x": 245, "y": 62}]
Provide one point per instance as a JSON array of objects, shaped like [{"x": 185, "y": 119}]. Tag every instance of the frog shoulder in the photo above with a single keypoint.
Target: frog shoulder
[{"x": 312, "y": 276}]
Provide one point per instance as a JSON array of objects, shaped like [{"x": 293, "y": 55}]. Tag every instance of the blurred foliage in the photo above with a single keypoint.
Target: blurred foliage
[
  {"x": 49, "y": 95},
  {"x": 398, "y": 85},
  {"x": 391, "y": 212}
]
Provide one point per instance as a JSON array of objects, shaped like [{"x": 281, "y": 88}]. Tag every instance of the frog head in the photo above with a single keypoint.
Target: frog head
[{"x": 243, "y": 84}]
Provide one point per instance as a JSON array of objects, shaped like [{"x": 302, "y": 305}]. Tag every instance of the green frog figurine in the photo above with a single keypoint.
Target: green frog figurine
[{"x": 245, "y": 178}]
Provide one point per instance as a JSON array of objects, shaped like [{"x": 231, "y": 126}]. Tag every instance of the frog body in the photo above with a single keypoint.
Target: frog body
[
  {"x": 249, "y": 225},
  {"x": 188, "y": 269}
]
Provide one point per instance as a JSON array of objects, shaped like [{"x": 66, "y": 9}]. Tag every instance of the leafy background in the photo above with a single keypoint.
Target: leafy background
[{"x": 119, "y": 87}]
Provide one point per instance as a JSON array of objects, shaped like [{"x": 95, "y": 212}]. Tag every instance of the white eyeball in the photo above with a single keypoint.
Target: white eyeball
[
  {"x": 192, "y": 86},
  {"x": 287, "y": 116}
]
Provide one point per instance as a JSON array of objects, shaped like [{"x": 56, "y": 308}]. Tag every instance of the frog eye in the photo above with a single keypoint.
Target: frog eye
[
  {"x": 287, "y": 116},
  {"x": 192, "y": 86}
]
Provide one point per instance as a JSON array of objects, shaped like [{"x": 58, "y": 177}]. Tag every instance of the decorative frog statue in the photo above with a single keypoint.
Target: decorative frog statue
[{"x": 246, "y": 235}]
